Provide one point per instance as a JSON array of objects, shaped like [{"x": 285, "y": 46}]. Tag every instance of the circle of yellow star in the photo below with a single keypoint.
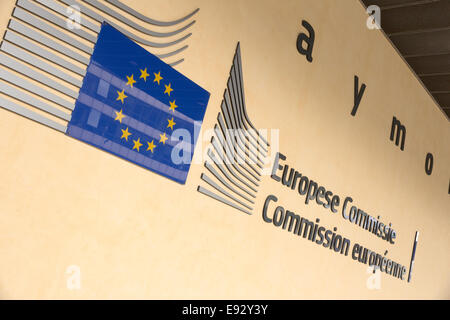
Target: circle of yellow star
[
  {"x": 168, "y": 89},
  {"x": 119, "y": 116},
  {"x": 173, "y": 106},
  {"x": 171, "y": 123},
  {"x": 121, "y": 95},
  {"x": 125, "y": 134},
  {"x": 131, "y": 80},
  {"x": 158, "y": 77},
  {"x": 144, "y": 74},
  {"x": 163, "y": 138},
  {"x": 137, "y": 144},
  {"x": 151, "y": 146}
]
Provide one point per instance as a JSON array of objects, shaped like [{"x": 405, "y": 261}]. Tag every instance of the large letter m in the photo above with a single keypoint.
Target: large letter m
[{"x": 401, "y": 131}]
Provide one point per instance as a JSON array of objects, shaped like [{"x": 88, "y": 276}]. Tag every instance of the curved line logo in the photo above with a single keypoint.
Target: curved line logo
[{"x": 238, "y": 153}]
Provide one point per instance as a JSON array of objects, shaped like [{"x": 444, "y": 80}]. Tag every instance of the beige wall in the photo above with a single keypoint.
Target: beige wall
[{"x": 135, "y": 234}]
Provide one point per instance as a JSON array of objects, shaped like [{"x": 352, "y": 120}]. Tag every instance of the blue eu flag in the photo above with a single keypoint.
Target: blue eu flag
[{"x": 137, "y": 107}]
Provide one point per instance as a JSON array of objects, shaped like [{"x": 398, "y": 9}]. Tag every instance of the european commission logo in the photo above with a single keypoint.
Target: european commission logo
[
  {"x": 129, "y": 102},
  {"x": 80, "y": 67},
  {"x": 238, "y": 154}
]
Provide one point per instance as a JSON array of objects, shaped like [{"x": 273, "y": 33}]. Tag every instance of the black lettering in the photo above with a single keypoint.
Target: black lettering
[
  {"x": 291, "y": 217},
  {"x": 355, "y": 251},
  {"x": 327, "y": 197},
  {"x": 276, "y": 166},
  {"x": 327, "y": 237},
  {"x": 284, "y": 181},
  {"x": 320, "y": 234},
  {"x": 320, "y": 194},
  {"x": 348, "y": 199},
  {"x": 429, "y": 163},
  {"x": 308, "y": 40},
  {"x": 294, "y": 182},
  {"x": 266, "y": 205},
  {"x": 303, "y": 181},
  {"x": 401, "y": 132},
  {"x": 278, "y": 216},
  {"x": 358, "y": 94},
  {"x": 310, "y": 196},
  {"x": 334, "y": 202},
  {"x": 308, "y": 225}
]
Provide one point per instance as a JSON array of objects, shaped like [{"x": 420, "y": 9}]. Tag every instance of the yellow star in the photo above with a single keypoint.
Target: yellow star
[
  {"x": 131, "y": 80},
  {"x": 173, "y": 106},
  {"x": 171, "y": 123},
  {"x": 168, "y": 89},
  {"x": 151, "y": 146},
  {"x": 158, "y": 77},
  {"x": 163, "y": 138},
  {"x": 125, "y": 134},
  {"x": 144, "y": 74},
  {"x": 121, "y": 95},
  {"x": 119, "y": 116},
  {"x": 137, "y": 144}
]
